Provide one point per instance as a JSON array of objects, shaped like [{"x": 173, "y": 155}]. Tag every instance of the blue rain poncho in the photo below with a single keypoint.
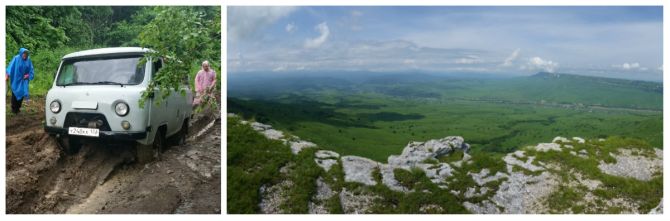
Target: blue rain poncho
[{"x": 15, "y": 70}]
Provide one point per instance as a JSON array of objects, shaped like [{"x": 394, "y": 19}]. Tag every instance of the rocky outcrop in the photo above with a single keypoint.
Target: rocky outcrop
[
  {"x": 356, "y": 203},
  {"x": 523, "y": 186},
  {"x": 326, "y": 159},
  {"x": 522, "y": 193},
  {"x": 633, "y": 165},
  {"x": 388, "y": 178},
  {"x": 297, "y": 146},
  {"x": 418, "y": 152},
  {"x": 359, "y": 169},
  {"x": 323, "y": 193}
]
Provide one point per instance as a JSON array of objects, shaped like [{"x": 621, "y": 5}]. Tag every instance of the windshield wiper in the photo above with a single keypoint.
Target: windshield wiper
[
  {"x": 73, "y": 83},
  {"x": 108, "y": 82}
]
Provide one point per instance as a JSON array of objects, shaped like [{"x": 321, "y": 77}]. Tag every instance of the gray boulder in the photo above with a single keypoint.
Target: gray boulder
[
  {"x": 417, "y": 152},
  {"x": 359, "y": 169}
]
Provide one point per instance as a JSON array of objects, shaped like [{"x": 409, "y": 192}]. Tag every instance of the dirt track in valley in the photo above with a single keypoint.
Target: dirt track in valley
[{"x": 104, "y": 178}]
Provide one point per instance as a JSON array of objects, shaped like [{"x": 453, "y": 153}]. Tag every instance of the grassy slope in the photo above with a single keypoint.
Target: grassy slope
[{"x": 252, "y": 161}]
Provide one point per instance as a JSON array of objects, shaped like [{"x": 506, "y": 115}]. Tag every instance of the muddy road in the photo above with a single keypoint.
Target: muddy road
[{"x": 104, "y": 178}]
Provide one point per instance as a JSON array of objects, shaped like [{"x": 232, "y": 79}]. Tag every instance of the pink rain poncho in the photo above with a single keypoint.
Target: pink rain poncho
[{"x": 205, "y": 84}]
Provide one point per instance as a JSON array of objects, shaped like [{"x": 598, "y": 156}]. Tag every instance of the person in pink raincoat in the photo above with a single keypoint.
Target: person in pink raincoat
[{"x": 205, "y": 83}]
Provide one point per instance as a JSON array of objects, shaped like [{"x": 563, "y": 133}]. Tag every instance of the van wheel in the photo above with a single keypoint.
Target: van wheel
[
  {"x": 180, "y": 137},
  {"x": 69, "y": 145},
  {"x": 183, "y": 133},
  {"x": 148, "y": 153}
]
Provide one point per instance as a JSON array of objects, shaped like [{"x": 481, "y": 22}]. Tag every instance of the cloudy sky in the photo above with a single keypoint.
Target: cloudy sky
[{"x": 623, "y": 42}]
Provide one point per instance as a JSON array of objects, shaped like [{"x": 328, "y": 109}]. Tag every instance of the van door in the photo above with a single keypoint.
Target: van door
[{"x": 162, "y": 111}]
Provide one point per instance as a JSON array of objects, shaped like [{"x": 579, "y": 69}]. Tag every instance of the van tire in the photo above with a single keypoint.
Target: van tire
[
  {"x": 183, "y": 133},
  {"x": 180, "y": 137},
  {"x": 69, "y": 145},
  {"x": 149, "y": 153}
]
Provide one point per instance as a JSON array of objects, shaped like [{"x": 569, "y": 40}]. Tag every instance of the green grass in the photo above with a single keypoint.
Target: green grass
[
  {"x": 304, "y": 177},
  {"x": 488, "y": 126},
  {"x": 377, "y": 116},
  {"x": 252, "y": 160},
  {"x": 648, "y": 193}
]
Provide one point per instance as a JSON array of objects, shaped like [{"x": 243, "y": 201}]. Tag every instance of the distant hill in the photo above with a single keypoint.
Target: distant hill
[{"x": 543, "y": 87}]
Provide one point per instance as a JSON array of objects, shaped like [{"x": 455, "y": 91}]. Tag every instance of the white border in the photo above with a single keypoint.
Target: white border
[{"x": 224, "y": 3}]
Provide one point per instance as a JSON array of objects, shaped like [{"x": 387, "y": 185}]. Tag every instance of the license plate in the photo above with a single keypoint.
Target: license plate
[{"x": 89, "y": 132}]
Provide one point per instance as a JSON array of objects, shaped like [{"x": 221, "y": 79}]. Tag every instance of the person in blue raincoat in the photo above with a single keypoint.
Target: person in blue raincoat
[{"x": 19, "y": 73}]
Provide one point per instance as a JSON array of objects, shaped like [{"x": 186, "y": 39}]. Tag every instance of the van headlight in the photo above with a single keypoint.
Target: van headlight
[
  {"x": 121, "y": 109},
  {"x": 54, "y": 107}
]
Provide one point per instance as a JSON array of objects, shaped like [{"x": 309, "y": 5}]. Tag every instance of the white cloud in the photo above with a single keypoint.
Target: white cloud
[
  {"x": 324, "y": 32},
  {"x": 290, "y": 27},
  {"x": 630, "y": 66},
  {"x": 537, "y": 63},
  {"x": 244, "y": 22},
  {"x": 280, "y": 68},
  {"x": 511, "y": 57},
  {"x": 470, "y": 59}
]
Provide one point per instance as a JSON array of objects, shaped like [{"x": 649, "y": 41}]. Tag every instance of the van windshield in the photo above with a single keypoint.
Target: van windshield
[{"x": 115, "y": 70}]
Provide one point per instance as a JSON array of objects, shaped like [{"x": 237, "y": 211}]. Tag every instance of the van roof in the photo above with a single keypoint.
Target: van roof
[{"x": 107, "y": 51}]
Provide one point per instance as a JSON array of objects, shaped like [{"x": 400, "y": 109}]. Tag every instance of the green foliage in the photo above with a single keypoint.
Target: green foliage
[
  {"x": 182, "y": 36},
  {"x": 425, "y": 193},
  {"x": 28, "y": 27},
  {"x": 320, "y": 107},
  {"x": 252, "y": 160},
  {"x": 304, "y": 178},
  {"x": 410, "y": 179},
  {"x": 564, "y": 198},
  {"x": 50, "y": 32}
]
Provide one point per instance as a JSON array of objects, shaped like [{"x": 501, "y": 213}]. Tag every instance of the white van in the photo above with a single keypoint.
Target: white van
[{"x": 96, "y": 94}]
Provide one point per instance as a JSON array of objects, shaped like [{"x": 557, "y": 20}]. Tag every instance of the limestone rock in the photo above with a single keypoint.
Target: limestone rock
[
  {"x": 353, "y": 203},
  {"x": 511, "y": 161},
  {"x": 272, "y": 197},
  {"x": 472, "y": 192},
  {"x": 544, "y": 147},
  {"x": 561, "y": 139},
  {"x": 297, "y": 146},
  {"x": 634, "y": 166},
  {"x": 485, "y": 207},
  {"x": 326, "y": 164},
  {"x": 389, "y": 180},
  {"x": 260, "y": 127},
  {"x": 417, "y": 152},
  {"x": 323, "y": 154},
  {"x": 437, "y": 173},
  {"x": 431, "y": 208},
  {"x": 323, "y": 193},
  {"x": 359, "y": 169},
  {"x": 482, "y": 177},
  {"x": 524, "y": 194}
]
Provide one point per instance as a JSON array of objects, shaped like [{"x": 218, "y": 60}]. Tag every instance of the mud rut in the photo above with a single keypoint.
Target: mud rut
[{"x": 104, "y": 178}]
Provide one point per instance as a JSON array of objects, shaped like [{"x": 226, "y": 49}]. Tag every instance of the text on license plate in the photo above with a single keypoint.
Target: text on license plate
[{"x": 89, "y": 132}]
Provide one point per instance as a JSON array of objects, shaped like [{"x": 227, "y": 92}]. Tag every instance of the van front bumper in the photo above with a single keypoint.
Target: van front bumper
[{"x": 105, "y": 135}]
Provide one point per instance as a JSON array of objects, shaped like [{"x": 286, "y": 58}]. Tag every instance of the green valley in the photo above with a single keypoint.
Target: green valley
[{"x": 374, "y": 115}]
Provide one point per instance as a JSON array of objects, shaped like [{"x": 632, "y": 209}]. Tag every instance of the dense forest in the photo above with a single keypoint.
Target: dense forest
[{"x": 188, "y": 35}]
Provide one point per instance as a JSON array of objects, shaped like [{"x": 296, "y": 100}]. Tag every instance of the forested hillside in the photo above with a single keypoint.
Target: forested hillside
[{"x": 50, "y": 32}]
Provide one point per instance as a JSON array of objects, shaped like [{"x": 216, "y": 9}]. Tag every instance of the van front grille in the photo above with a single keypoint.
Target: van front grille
[{"x": 87, "y": 120}]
